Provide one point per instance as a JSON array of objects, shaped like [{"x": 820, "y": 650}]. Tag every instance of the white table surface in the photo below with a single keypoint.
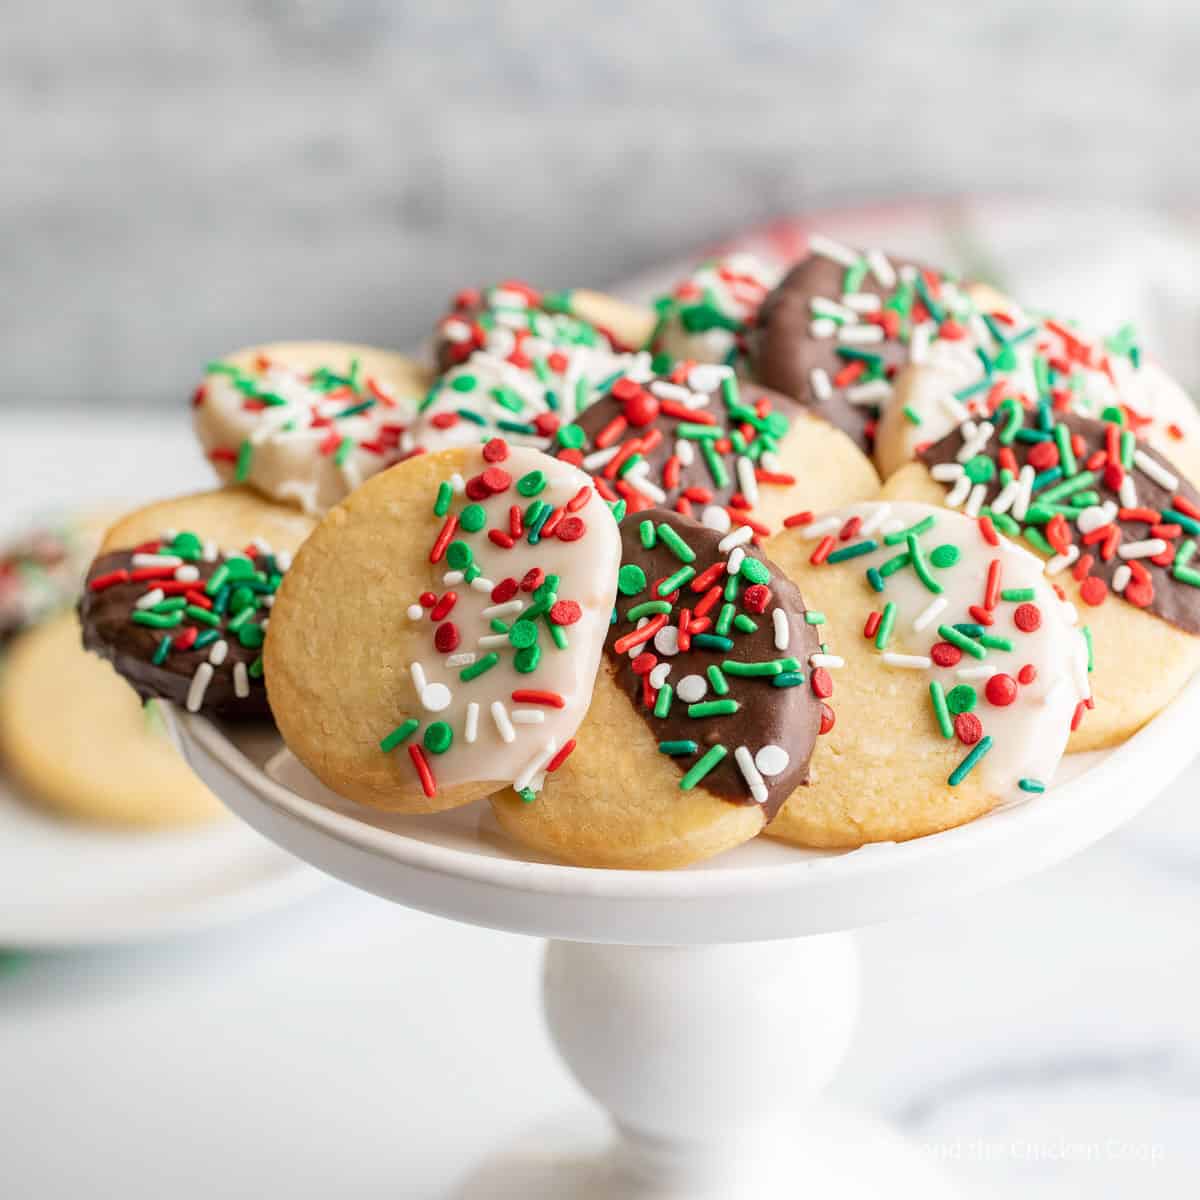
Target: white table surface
[{"x": 1041, "y": 1040}]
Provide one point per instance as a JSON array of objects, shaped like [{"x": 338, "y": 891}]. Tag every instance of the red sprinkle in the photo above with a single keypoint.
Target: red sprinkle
[
  {"x": 822, "y": 683},
  {"x": 443, "y": 540},
  {"x": 1001, "y": 690},
  {"x": 428, "y": 783},
  {"x": 580, "y": 498},
  {"x": 708, "y": 576},
  {"x": 446, "y": 638},
  {"x": 638, "y": 637},
  {"x": 1093, "y": 590},
  {"x": 561, "y": 757},
  {"x": 872, "y": 625},
  {"x": 571, "y": 529},
  {"x": 945, "y": 654},
  {"x": 106, "y": 581},
  {"x": 756, "y": 597},
  {"x": 828, "y": 718},
  {"x": 499, "y": 538},
  {"x": 565, "y": 612},
  {"x": 495, "y": 451},
  {"x": 427, "y": 599},
  {"x": 709, "y": 601},
  {"x": 444, "y": 606},
  {"x": 532, "y": 696},
  {"x": 823, "y": 551},
  {"x": 186, "y": 639},
  {"x": 989, "y": 531},
  {"x": 496, "y": 480},
  {"x": 1027, "y": 674},
  {"x": 800, "y": 518},
  {"x": 532, "y": 579},
  {"x": 968, "y": 727},
  {"x": 1027, "y": 617},
  {"x": 644, "y": 663},
  {"x": 506, "y": 589},
  {"x": 983, "y": 616},
  {"x": 991, "y": 593}
]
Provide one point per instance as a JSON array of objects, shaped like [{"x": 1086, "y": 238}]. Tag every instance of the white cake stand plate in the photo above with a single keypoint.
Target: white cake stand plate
[{"x": 706, "y": 1009}]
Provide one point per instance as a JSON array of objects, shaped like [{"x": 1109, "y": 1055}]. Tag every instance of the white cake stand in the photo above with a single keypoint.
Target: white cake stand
[{"x": 703, "y": 1009}]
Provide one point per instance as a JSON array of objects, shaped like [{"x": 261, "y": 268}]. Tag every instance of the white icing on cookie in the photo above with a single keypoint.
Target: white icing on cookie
[
  {"x": 306, "y": 424},
  {"x": 512, "y": 679},
  {"x": 1029, "y": 733},
  {"x": 703, "y": 317}
]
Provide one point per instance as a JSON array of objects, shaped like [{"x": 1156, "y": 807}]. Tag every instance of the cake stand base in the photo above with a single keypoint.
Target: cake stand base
[{"x": 708, "y": 1061}]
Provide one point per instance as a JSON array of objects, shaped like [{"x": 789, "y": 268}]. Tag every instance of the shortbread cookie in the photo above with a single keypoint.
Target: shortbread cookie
[
  {"x": 704, "y": 713},
  {"x": 305, "y": 423},
  {"x": 959, "y": 670},
  {"x": 1014, "y": 354},
  {"x": 40, "y": 573},
  {"x": 710, "y": 445},
  {"x": 440, "y": 631},
  {"x": 1119, "y": 527},
  {"x": 182, "y": 613},
  {"x": 840, "y": 325},
  {"x": 521, "y": 324},
  {"x": 77, "y": 740},
  {"x": 708, "y": 316}
]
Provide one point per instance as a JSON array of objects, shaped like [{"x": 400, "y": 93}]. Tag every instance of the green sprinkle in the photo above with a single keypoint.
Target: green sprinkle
[
  {"x": 571, "y": 437},
  {"x": 256, "y": 667},
  {"x": 712, "y": 708},
  {"x": 523, "y": 633},
  {"x": 716, "y": 467},
  {"x": 1172, "y": 516},
  {"x": 720, "y": 684},
  {"x": 478, "y": 667},
  {"x": 343, "y": 451},
  {"x": 731, "y": 587},
  {"x": 732, "y": 667},
  {"x": 1031, "y": 785},
  {"x": 675, "y": 543},
  {"x": 662, "y": 702},
  {"x": 696, "y": 432},
  {"x": 251, "y": 636},
  {"x": 205, "y": 638},
  {"x": 526, "y": 660},
  {"x": 913, "y": 417},
  {"x": 1017, "y": 595},
  {"x": 902, "y": 535},
  {"x": 724, "y": 619},
  {"x": 464, "y": 383},
  {"x": 711, "y": 641},
  {"x": 921, "y": 567},
  {"x": 940, "y": 709},
  {"x": 961, "y": 699},
  {"x": 162, "y": 650},
  {"x": 743, "y": 624},
  {"x": 648, "y": 534},
  {"x": 1062, "y": 437},
  {"x": 438, "y": 737},
  {"x": 458, "y": 555},
  {"x": 1077, "y": 482},
  {"x": 969, "y": 645},
  {"x": 754, "y": 570},
  {"x": 677, "y": 749},
  {"x": 217, "y": 580},
  {"x": 702, "y": 768},
  {"x": 205, "y": 617},
  {"x": 992, "y": 642},
  {"x": 965, "y": 767},
  {"x": 527, "y": 795},
  {"x": 875, "y": 579},
  {"x": 980, "y": 469},
  {"x": 1188, "y": 575},
  {"x": 887, "y": 620},
  {"x": 647, "y": 609},
  {"x": 944, "y": 556},
  {"x": 673, "y": 582},
  {"x": 173, "y": 604},
  {"x": 241, "y": 471},
  {"x": 897, "y": 563},
  {"x": 531, "y": 484},
  {"x": 813, "y": 617},
  {"x": 852, "y": 551},
  {"x": 473, "y": 518},
  {"x": 788, "y": 679},
  {"x": 631, "y": 579},
  {"x": 1087, "y": 637},
  {"x": 400, "y": 734},
  {"x": 1035, "y": 538}
]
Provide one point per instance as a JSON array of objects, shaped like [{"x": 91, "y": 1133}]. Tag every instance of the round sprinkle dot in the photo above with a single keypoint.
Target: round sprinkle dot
[
  {"x": 631, "y": 579},
  {"x": 961, "y": 699},
  {"x": 459, "y": 556},
  {"x": 473, "y": 518},
  {"x": 1027, "y": 617},
  {"x": 666, "y": 640},
  {"x": 415, "y": 612},
  {"x": 570, "y": 529},
  {"x": 1001, "y": 690},
  {"x": 822, "y": 683},
  {"x": 1043, "y": 455},
  {"x": 565, "y": 612},
  {"x": 754, "y": 570},
  {"x": 945, "y": 655},
  {"x": 446, "y": 638},
  {"x": 980, "y": 469},
  {"x": 968, "y": 727},
  {"x": 706, "y": 377},
  {"x": 436, "y": 697},
  {"x": 692, "y": 689},
  {"x": 1093, "y": 590},
  {"x": 715, "y": 517},
  {"x": 523, "y": 634},
  {"x": 427, "y": 599},
  {"x": 828, "y": 717},
  {"x": 495, "y": 451},
  {"x": 531, "y": 484},
  {"x": 571, "y": 437},
  {"x": 756, "y": 598},
  {"x": 463, "y": 383},
  {"x": 495, "y": 479},
  {"x": 640, "y": 409},
  {"x": 1139, "y": 593},
  {"x": 437, "y": 737},
  {"x": 526, "y": 660},
  {"x": 771, "y": 761},
  {"x": 1027, "y": 674},
  {"x": 944, "y": 556}
]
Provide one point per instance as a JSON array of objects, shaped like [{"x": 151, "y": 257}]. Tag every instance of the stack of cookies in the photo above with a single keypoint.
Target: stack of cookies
[{"x": 632, "y": 576}]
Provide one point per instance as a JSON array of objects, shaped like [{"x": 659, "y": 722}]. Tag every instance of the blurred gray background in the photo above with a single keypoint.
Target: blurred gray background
[{"x": 179, "y": 179}]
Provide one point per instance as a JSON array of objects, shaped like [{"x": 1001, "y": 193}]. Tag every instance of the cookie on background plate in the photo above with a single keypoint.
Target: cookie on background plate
[
  {"x": 959, "y": 673},
  {"x": 78, "y": 741},
  {"x": 180, "y": 594},
  {"x": 304, "y": 423},
  {"x": 1118, "y": 526}
]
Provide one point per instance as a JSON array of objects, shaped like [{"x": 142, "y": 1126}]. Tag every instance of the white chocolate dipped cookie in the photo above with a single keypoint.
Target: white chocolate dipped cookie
[
  {"x": 706, "y": 317},
  {"x": 438, "y": 635},
  {"x": 304, "y": 423},
  {"x": 1118, "y": 525},
  {"x": 959, "y": 672},
  {"x": 1014, "y": 354}
]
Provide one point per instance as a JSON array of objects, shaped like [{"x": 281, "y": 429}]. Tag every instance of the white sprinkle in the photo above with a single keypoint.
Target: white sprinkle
[
  {"x": 666, "y": 640},
  {"x": 187, "y": 573},
  {"x": 818, "y": 529},
  {"x": 150, "y": 599},
  {"x": 783, "y": 629},
  {"x": 716, "y": 518},
  {"x": 157, "y": 560},
  {"x": 819, "y": 382},
  {"x": 1025, "y": 493},
  {"x": 771, "y": 760},
  {"x": 692, "y": 688},
  {"x": 831, "y": 661},
  {"x": 418, "y": 677},
  {"x": 985, "y": 672},
  {"x": 528, "y": 716},
  {"x": 1096, "y": 516},
  {"x": 739, "y": 537},
  {"x": 501, "y": 610},
  {"x": 1144, "y": 549},
  {"x": 283, "y": 560},
  {"x": 480, "y": 584},
  {"x": 672, "y": 391},
  {"x": 1155, "y": 470},
  {"x": 881, "y": 268},
  {"x": 452, "y": 578},
  {"x": 929, "y": 613},
  {"x": 862, "y": 302},
  {"x": 241, "y": 680},
  {"x": 211, "y": 553},
  {"x": 975, "y": 444},
  {"x": 471, "y": 725},
  {"x": 706, "y": 377},
  {"x": 1070, "y": 613},
  {"x": 658, "y": 676},
  {"x": 535, "y": 764},
  {"x": 860, "y": 335},
  {"x": 488, "y": 640},
  {"x": 1121, "y": 577},
  {"x": 733, "y": 564},
  {"x": 875, "y": 391},
  {"x": 217, "y": 654},
  {"x": 1060, "y": 562},
  {"x": 947, "y": 472},
  {"x": 746, "y": 479},
  {"x": 975, "y": 503},
  {"x": 198, "y": 686},
  {"x": 823, "y": 327},
  {"x": 954, "y": 408},
  {"x": 436, "y": 697},
  {"x": 503, "y": 725},
  {"x": 959, "y": 492},
  {"x": 169, "y": 535},
  {"x": 750, "y": 773},
  {"x": 918, "y": 343},
  {"x": 463, "y": 659},
  {"x": 822, "y": 307},
  {"x": 1004, "y": 501},
  {"x": 685, "y": 452},
  {"x": 917, "y": 662},
  {"x": 593, "y": 462},
  {"x": 415, "y": 612},
  {"x": 826, "y": 247},
  {"x": 879, "y": 513},
  {"x": 1127, "y": 492}
]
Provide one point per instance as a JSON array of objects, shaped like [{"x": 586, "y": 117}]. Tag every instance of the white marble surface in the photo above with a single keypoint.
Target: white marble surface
[{"x": 1041, "y": 1040}]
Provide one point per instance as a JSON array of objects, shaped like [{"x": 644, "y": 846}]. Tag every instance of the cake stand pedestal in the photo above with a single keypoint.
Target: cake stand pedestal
[{"x": 705, "y": 1009}]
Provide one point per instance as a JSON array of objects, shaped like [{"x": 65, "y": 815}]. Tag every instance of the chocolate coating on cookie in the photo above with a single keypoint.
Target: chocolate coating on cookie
[
  {"x": 833, "y": 335},
  {"x": 1135, "y": 531},
  {"x": 699, "y": 440},
  {"x": 196, "y": 636},
  {"x": 722, "y": 678}
]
